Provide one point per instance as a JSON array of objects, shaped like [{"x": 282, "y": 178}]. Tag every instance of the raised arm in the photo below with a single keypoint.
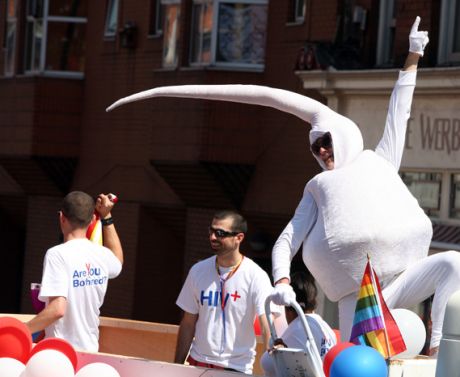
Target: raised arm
[
  {"x": 104, "y": 206},
  {"x": 391, "y": 146}
]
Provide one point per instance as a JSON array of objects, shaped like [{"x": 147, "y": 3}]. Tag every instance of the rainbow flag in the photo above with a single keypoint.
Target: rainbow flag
[
  {"x": 94, "y": 232},
  {"x": 373, "y": 324}
]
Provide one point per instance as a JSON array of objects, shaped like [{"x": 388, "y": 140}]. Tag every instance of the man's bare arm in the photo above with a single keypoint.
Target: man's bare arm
[
  {"x": 185, "y": 336},
  {"x": 55, "y": 310},
  {"x": 104, "y": 206}
]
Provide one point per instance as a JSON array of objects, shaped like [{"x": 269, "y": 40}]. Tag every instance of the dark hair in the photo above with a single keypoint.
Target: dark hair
[
  {"x": 239, "y": 223},
  {"x": 305, "y": 290},
  {"x": 78, "y": 208}
]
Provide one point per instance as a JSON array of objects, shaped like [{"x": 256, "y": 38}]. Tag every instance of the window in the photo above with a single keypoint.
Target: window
[
  {"x": 200, "y": 48},
  {"x": 10, "y": 37},
  {"x": 111, "y": 21},
  {"x": 426, "y": 187},
  {"x": 456, "y": 30},
  {"x": 55, "y": 37},
  {"x": 455, "y": 196},
  {"x": 171, "y": 9},
  {"x": 229, "y": 33},
  {"x": 386, "y": 33},
  {"x": 156, "y": 18},
  {"x": 449, "y": 33},
  {"x": 296, "y": 11}
]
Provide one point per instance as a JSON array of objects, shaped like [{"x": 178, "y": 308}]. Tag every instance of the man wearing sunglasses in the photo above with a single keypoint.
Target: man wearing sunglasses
[
  {"x": 322, "y": 148},
  {"x": 221, "y": 298}
]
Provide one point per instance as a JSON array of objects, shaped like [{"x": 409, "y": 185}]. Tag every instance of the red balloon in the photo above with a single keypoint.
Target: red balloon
[
  {"x": 15, "y": 339},
  {"x": 332, "y": 354},
  {"x": 57, "y": 344},
  {"x": 257, "y": 330},
  {"x": 337, "y": 334}
]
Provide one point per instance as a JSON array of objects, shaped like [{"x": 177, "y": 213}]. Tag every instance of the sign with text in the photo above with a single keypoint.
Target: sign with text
[{"x": 433, "y": 130}]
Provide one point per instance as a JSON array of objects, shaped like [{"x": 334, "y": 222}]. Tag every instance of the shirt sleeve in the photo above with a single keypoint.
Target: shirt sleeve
[
  {"x": 262, "y": 287},
  {"x": 114, "y": 265},
  {"x": 292, "y": 237},
  {"x": 55, "y": 280},
  {"x": 391, "y": 146},
  {"x": 187, "y": 300}
]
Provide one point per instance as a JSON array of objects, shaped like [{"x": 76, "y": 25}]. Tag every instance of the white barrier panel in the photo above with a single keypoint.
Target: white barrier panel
[
  {"x": 420, "y": 367},
  {"x": 132, "y": 367}
]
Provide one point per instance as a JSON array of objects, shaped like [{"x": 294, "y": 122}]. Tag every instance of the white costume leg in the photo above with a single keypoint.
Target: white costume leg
[
  {"x": 438, "y": 274},
  {"x": 347, "y": 307}
]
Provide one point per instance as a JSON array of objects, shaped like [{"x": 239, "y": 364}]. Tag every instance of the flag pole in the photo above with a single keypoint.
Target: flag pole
[{"x": 374, "y": 284}]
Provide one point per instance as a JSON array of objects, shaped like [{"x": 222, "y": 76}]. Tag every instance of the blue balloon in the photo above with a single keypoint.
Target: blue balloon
[{"x": 359, "y": 361}]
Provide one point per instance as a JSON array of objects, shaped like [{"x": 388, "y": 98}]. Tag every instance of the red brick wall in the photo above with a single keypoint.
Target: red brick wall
[
  {"x": 42, "y": 116},
  {"x": 42, "y": 233}
]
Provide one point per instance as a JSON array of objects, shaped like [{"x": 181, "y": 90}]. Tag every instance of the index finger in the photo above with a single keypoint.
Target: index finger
[{"x": 414, "y": 28}]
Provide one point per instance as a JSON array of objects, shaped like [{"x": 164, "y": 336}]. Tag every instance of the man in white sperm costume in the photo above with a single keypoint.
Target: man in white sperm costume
[{"x": 357, "y": 206}]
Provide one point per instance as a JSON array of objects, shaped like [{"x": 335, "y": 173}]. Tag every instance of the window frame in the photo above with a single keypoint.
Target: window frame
[
  {"x": 385, "y": 36},
  {"x": 214, "y": 38},
  {"x": 201, "y": 63},
  {"x": 110, "y": 9},
  {"x": 46, "y": 19},
  {"x": 165, "y": 3},
  {"x": 156, "y": 19},
  {"x": 296, "y": 12},
  {"x": 432, "y": 212},
  {"x": 14, "y": 21},
  {"x": 453, "y": 196},
  {"x": 448, "y": 23}
]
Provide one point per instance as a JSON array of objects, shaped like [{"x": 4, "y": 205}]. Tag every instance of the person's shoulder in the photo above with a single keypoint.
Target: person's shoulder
[
  {"x": 203, "y": 264},
  {"x": 253, "y": 267},
  {"x": 58, "y": 253},
  {"x": 316, "y": 320},
  {"x": 57, "y": 249},
  {"x": 250, "y": 263}
]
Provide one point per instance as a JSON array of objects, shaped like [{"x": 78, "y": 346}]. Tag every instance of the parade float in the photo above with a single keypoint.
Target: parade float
[{"x": 145, "y": 349}]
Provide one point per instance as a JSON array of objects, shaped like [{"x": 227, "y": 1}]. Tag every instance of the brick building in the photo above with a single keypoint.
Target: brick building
[{"x": 173, "y": 162}]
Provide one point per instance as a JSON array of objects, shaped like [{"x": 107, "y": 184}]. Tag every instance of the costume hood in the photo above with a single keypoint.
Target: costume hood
[
  {"x": 347, "y": 141},
  {"x": 346, "y": 137}
]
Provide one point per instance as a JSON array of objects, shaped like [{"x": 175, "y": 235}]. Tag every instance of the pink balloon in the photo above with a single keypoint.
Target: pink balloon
[{"x": 97, "y": 370}]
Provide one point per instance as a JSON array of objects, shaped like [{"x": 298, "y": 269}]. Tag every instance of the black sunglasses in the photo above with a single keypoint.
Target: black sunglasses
[
  {"x": 220, "y": 233},
  {"x": 324, "y": 141}
]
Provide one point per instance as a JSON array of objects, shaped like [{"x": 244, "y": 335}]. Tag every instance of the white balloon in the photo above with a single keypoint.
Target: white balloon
[
  {"x": 11, "y": 367},
  {"x": 412, "y": 330},
  {"x": 48, "y": 363},
  {"x": 97, "y": 370}
]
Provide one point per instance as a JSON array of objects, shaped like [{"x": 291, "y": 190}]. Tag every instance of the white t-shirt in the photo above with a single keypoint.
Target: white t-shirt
[
  {"x": 231, "y": 345},
  {"x": 78, "y": 270},
  {"x": 295, "y": 337}
]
